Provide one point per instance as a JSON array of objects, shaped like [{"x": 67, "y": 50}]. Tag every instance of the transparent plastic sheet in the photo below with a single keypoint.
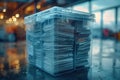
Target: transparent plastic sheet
[{"x": 60, "y": 39}]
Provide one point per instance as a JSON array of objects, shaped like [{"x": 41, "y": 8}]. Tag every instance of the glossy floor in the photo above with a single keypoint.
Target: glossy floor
[{"x": 105, "y": 63}]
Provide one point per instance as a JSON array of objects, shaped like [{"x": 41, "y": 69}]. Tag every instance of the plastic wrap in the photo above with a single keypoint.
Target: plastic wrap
[{"x": 58, "y": 39}]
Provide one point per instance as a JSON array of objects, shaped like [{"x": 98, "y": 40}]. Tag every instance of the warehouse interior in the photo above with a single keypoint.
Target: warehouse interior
[{"x": 104, "y": 47}]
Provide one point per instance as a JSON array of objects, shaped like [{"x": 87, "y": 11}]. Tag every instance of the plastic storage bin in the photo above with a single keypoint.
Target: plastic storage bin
[{"x": 58, "y": 40}]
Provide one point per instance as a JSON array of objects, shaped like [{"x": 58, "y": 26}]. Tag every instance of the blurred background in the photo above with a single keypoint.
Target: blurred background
[
  {"x": 105, "y": 45},
  {"x": 12, "y": 13}
]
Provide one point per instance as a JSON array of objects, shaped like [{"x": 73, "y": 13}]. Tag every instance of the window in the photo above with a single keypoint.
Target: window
[
  {"x": 109, "y": 20},
  {"x": 97, "y": 19},
  {"x": 82, "y": 7},
  {"x": 100, "y": 4}
]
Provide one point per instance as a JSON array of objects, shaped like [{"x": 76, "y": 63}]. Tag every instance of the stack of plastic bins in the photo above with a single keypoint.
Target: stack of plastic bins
[
  {"x": 33, "y": 41},
  {"x": 66, "y": 39},
  {"x": 60, "y": 40}
]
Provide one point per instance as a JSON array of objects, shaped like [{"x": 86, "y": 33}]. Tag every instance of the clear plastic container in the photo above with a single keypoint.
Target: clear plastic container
[{"x": 60, "y": 39}]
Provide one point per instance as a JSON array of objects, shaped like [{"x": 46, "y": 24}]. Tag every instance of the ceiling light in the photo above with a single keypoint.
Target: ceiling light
[
  {"x": 14, "y": 19},
  {"x": 1, "y": 17},
  {"x": 10, "y": 19},
  {"x": 17, "y": 15},
  {"x": 4, "y": 10},
  {"x": 38, "y": 6}
]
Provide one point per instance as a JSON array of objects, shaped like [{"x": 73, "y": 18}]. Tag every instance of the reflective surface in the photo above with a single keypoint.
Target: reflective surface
[
  {"x": 12, "y": 61},
  {"x": 105, "y": 63},
  {"x": 106, "y": 60}
]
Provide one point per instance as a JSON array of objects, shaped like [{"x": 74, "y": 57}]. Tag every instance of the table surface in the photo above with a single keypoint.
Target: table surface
[{"x": 105, "y": 64}]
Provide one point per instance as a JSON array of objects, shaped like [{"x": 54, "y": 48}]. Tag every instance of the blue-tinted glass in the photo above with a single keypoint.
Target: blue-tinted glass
[
  {"x": 97, "y": 19},
  {"x": 102, "y": 4},
  {"x": 109, "y": 20}
]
